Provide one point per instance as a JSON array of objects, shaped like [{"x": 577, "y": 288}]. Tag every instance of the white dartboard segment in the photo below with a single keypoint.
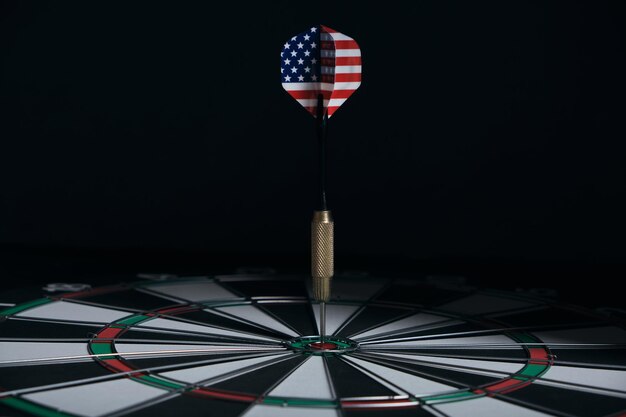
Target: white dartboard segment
[
  {"x": 469, "y": 343},
  {"x": 336, "y": 316},
  {"x": 97, "y": 399},
  {"x": 487, "y": 407},
  {"x": 181, "y": 326},
  {"x": 404, "y": 325},
  {"x": 255, "y": 315},
  {"x": 206, "y": 372},
  {"x": 407, "y": 382},
  {"x": 75, "y": 312},
  {"x": 194, "y": 291},
  {"x": 262, "y": 410},
  {"x": 299, "y": 384},
  {"x": 598, "y": 378},
  {"x": 465, "y": 365},
  {"x": 33, "y": 353},
  {"x": 148, "y": 350}
]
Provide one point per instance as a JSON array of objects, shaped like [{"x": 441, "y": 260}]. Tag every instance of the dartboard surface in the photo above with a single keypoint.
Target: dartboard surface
[{"x": 249, "y": 345}]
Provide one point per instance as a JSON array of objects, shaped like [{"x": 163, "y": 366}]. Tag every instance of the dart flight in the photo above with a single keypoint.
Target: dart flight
[{"x": 321, "y": 61}]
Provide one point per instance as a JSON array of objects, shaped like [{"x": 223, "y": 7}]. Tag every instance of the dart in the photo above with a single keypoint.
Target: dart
[{"x": 320, "y": 69}]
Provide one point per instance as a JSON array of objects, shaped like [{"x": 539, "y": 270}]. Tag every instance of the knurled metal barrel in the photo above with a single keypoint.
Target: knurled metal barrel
[{"x": 322, "y": 254}]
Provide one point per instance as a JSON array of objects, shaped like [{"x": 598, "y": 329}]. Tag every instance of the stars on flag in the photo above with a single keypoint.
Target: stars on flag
[{"x": 302, "y": 58}]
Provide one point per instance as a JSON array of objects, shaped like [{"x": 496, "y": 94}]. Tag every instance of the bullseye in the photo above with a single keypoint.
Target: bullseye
[
  {"x": 314, "y": 345},
  {"x": 323, "y": 346}
]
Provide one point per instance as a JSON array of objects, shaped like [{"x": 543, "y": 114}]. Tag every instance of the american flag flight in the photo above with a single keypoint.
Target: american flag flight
[{"x": 320, "y": 61}]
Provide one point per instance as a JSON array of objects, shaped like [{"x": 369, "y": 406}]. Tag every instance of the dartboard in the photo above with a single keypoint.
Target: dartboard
[{"x": 249, "y": 345}]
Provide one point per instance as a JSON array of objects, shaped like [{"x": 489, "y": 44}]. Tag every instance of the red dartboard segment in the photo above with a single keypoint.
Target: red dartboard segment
[
  {"x": 539, "y": 355},
  {"x": 109, "y": 332},
  {"x": 502, "y": 387},
  {"x": 223, "y": 395},
  {"x": 177, "y": 310}
]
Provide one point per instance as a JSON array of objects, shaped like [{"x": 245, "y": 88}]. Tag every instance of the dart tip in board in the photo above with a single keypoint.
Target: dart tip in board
[{"x": 322, "y": 323}]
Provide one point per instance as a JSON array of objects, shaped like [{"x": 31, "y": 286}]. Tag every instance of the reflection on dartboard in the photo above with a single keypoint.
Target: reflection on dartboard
[{"x": 244, "y": 345}]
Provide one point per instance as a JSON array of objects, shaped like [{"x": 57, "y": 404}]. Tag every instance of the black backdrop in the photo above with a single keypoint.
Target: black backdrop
[{"x": 487, "y": 138}]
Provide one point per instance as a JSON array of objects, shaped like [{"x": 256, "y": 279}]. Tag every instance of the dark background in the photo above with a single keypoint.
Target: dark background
[{"x": 487, "y": 140}]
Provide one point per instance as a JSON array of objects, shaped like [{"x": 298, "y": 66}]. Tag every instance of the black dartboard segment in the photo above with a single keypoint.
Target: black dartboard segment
[{"x": 238, "y": 346}]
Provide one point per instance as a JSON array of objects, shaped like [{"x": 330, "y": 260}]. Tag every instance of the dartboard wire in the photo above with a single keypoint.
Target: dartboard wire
[
  {"x": 177, "y": 300},
  {"x": 210, "y": 310},
  {"x": 128, "y": 310},
  {"x": 190, "y": 304},
  {"x": 425, "y": 375},
  {"x": 235, "y": 342},
  {"x": 222, "y": 339},
  {"x": 279, "y": 335},
  {"x": 226, "y": 286},
  {"x": 433, "y": 411},
  {"x": 456, "y": 386},
  {"x": 581, "y": 387},
  {"x": 269, "y": 389},
  {"x": 188, "y": 388},
  {"x": 146, "y": 327},
  {"x": 382, "y": 380},
  {"x": 364, "y": 304},
  {"x": 533, "y": 406},
  {"x": 373, "y": 357},
  {"x": 454, "y": 356},
  {"x": 449, "y": 319},
  {"x": 392, "y": 362},
  {"x": 232, "y": 374},
  {"x": 125, "y": 374},
  {"x": 99, "y": 326},
  {"x": 155, "y": 314},
  {"x": 445, "y": 321},
  {"x": 262, "y": 298},
  {"x": 59, "y": 321},
  {"x": 261, "y": 307},
  {"x": 479, "y": 371},
  {"x": 556, "y": 361},
  {"x": 331, "y": 385},
  {"x": 184, "y": 301},
  {"x": 377, "y": 338},
  {"x": 497, "y": 345},
  {"x": 180, "y": 352},
  {"x": 470, "y": 320},
  {"x": 136, "y": 407},
  {"x": 130, "y": 340},
  {"x": 417, "y": 328},
  {"x": 590, "y": 365}
]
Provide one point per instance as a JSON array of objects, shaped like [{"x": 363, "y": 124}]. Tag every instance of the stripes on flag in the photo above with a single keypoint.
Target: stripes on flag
[{"x": 332, "y": 67}]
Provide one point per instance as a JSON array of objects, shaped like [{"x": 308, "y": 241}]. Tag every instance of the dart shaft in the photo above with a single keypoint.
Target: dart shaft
[
  {"x": 321, "y": 128},
  {"x": 323, "y": 321}
]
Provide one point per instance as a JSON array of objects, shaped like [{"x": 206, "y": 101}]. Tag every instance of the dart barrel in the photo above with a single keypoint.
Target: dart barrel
[{"x": 322, "y": 254}]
